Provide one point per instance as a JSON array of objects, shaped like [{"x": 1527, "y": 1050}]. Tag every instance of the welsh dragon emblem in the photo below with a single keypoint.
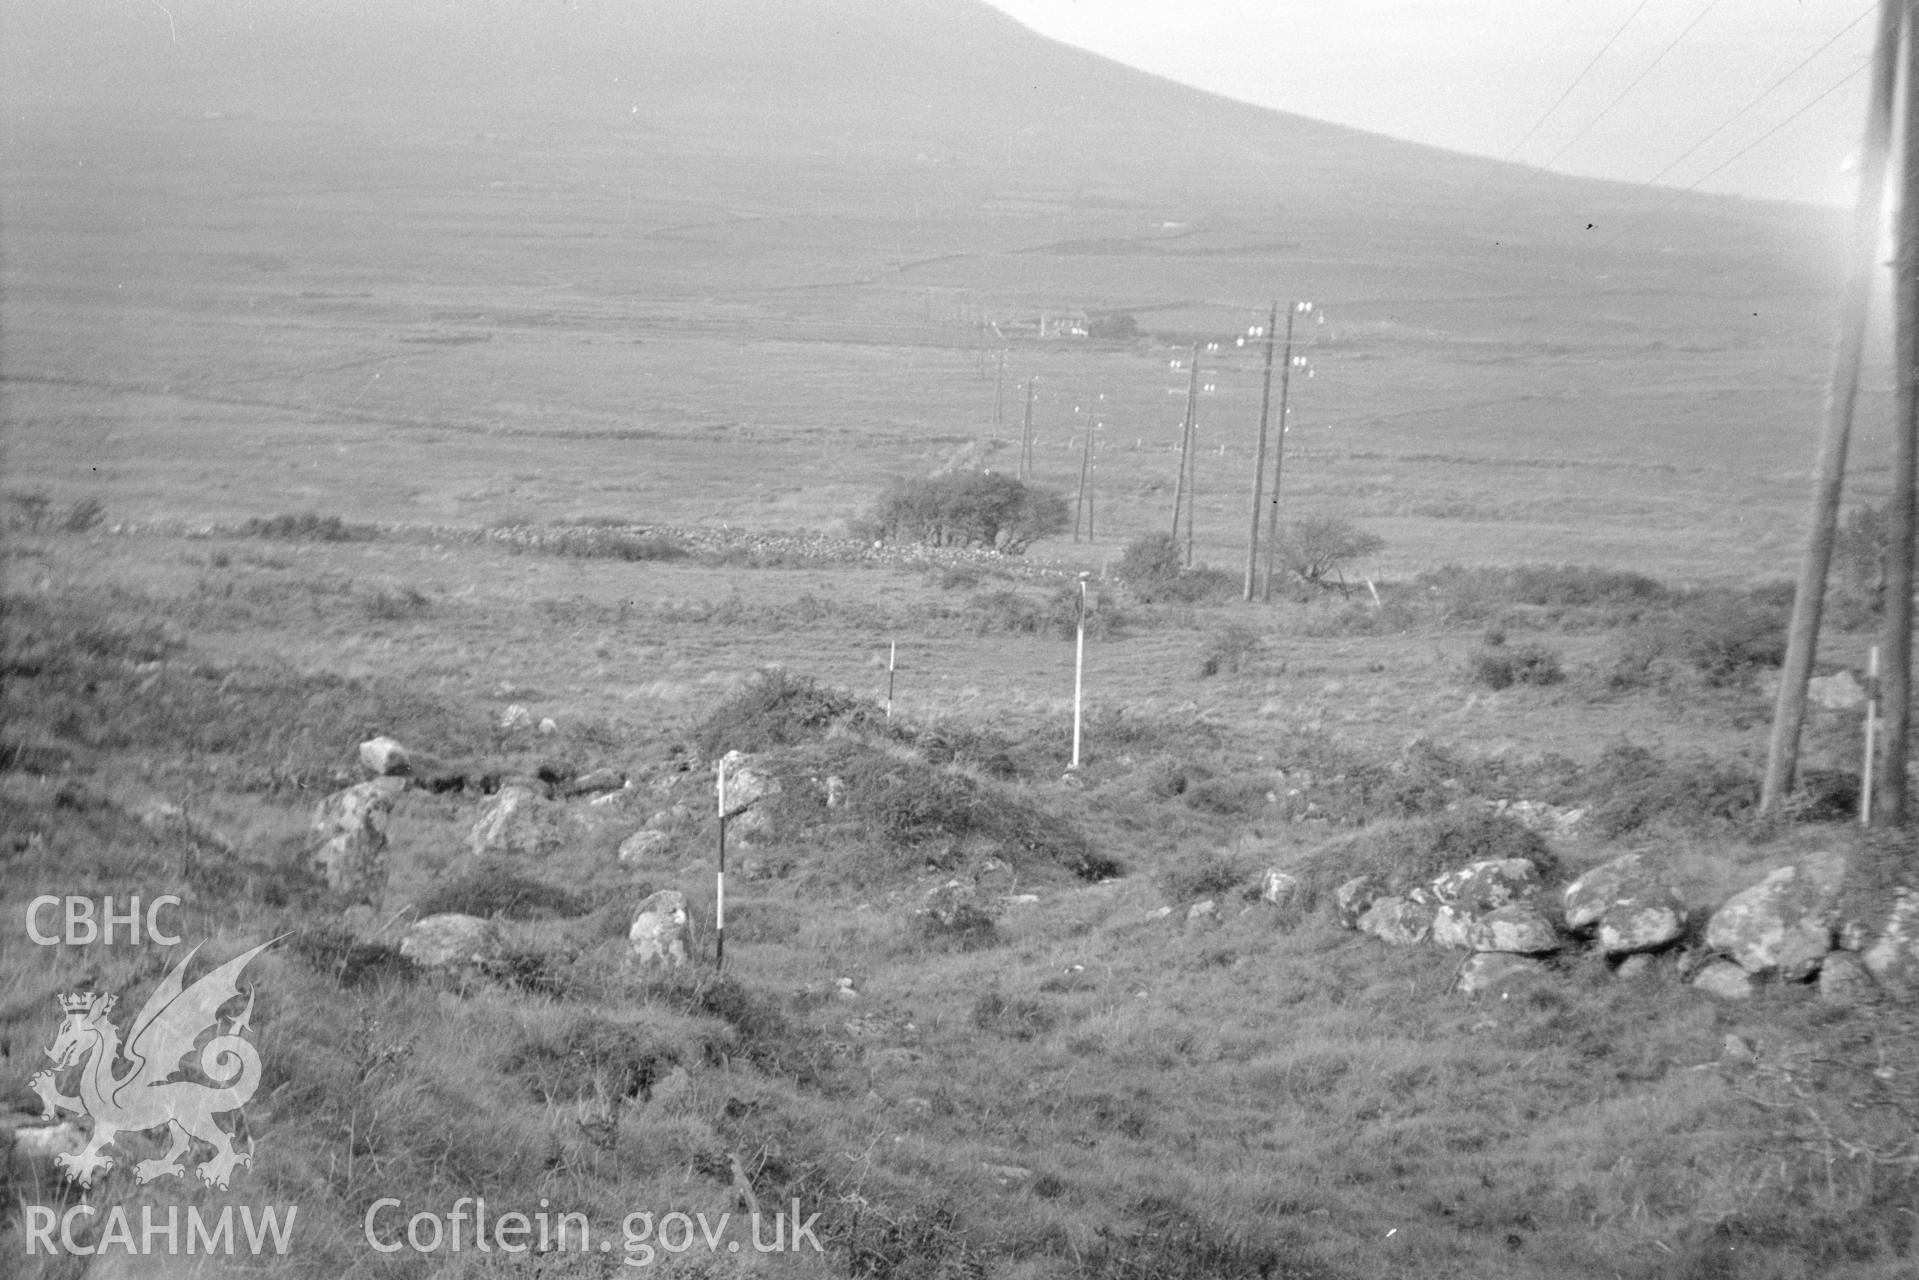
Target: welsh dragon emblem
[{"x": 142, "y": 1096}]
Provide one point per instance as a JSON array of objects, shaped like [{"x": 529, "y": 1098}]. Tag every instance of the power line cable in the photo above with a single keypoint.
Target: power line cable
[
  {"x": 1577, "y": 80},
  {"x": 1607, "y": 109},
  {"x": 1763, "y": 94}
]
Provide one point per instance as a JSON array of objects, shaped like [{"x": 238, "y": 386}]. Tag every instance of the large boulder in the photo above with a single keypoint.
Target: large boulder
[
  {"x": 1399, "y": 921},
  {"x": 1278, "y": 887},
  {"x": 643, "y": 844},
  {"x": 659, "y": 929},
  {"x": 352, "y": 826},
  {"x": 442, "y": 941},
  {"x": 1784, "y": 923},
  {"x": 596, "y": 781},
  {"x": 384, "y": 758},
  {"x": 515, "y": 822},
  {"x": 1633, "y": 908},
  {"x": 749, "y": 788},
  {"x": 1844, "y": 979},
  {"x": 1355, "y": 897},
  {"x": 1487, "y": 885},
  {"x": 1516, "y": 929}
]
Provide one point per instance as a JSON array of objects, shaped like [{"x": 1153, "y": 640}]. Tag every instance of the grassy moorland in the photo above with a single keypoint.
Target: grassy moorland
[{"x": 1067, "y": 1084}]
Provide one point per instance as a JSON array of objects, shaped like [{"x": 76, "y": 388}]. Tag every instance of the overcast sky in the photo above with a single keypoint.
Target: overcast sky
[{"x": 1479, "y": 75}]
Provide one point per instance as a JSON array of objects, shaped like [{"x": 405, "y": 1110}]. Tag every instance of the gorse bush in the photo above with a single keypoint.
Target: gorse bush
[
  {"x": 1500, "y": 667},
  {"x": 1321, "y": 546},
  {"x": 1153, "y": 569},
  {"x": 969, "y": 509},
  {"x": 494, "y": 889}
]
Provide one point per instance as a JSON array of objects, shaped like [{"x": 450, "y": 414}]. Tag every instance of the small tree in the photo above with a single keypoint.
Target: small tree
[
  {"x": 1321, "y": 546},
  {"x": 969, "y": 509}
]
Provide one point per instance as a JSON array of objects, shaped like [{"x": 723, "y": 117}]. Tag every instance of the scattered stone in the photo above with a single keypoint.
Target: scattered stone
[
  {"x": 1634, "y": 967},
  {"x": 1845, "y": 980},
  {"x": 514, "y": 717},
  {"x": 1724, "y": 979},
  {"x": 1501, "y": 972},
  {"x": 952, "y": 907},
  {"x": 515, "y": 822},
  {"x": 1487, "y": 885},
  {"x": 1840, "y": 691},
  {"x": 1398, "y": 921},
  {"x": 1020, "y": 899},
  {"x": 1517, "y": 929},
  {"x": 1736, "y": 1050},
  {"x": 845, "y": 990},
  {"x": 642, "y": 845},
  {"x": 1278, "y": 888},
  {"x": 1594, "y": 893},
  {"x": 548, "y": 727},
  {"x": 1785, "y": 922},
  {"x": 1893, "y": 956},
  {"x": 1007, "y": 1174},
  {"x": 1542, "y": 818},
  {"x": 1159, "y": 913},
  {"x": 659, "y": 929},
  {"x": 1645, "y": 924},
  {"x": 35, "y": 1142},
  {"x": 1452, "y": 928},
  {"x": 596, "y": 781},
  {"x": 835, "y": 792},
  {"x": 352, "y": 827},
  {"x": 748, "y": 788},
  {"x": 1353, "y": 899},
  {"x": 1205, "y": 912},
  {"x": 384, "y": 758},
  {"x": 452, "y": 939}
]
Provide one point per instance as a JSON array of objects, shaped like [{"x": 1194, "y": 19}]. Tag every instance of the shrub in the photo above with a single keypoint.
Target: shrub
[
  {"x": 1228, "y": 649},
  {"x": 333, "y": 951},
  {"x": 969, "y": 509},
  {"x": 1629, "y": 787},
  {"x": 1154, "y": 570},
  {"x": 1498, "y": 667},
  {"x": 1211, "y": 875},
  {"x": 1322, "y": 545},
  {"x": 1021, "y": 1018}
]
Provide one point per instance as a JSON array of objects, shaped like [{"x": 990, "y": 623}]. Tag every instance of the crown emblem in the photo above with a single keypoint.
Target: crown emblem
[{"x": 79, "y": 1002}]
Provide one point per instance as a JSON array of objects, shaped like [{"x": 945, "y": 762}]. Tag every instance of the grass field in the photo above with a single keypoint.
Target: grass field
[{"x": 317, "y": 389}]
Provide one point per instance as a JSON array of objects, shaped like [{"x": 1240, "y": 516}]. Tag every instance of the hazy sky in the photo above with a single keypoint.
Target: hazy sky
[{"x": 1479, "y": 75}]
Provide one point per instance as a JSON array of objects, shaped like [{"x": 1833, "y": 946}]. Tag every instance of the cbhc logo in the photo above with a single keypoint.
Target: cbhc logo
[{"x": 84, "y": 926}]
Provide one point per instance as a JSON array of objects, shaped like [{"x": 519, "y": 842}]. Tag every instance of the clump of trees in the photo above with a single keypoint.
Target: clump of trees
[
  {"x": 1320, "y": 547},
  {"x": 968, "y": 509}
]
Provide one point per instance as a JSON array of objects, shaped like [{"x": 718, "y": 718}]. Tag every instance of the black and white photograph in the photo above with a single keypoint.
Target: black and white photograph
[{"x": 958, "y": 639}]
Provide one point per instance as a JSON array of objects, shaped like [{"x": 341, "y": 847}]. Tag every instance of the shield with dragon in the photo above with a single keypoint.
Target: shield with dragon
[{"x": 127, "y": 1085}]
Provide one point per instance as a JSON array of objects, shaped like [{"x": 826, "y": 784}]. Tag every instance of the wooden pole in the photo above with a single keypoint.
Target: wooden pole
[
  {"x": 1842, "y": 391},
  {"x": 1085, "y": 466},
  {"x": 999, "y": 394},
  {"x": 1259, "y": 455},
  {"x": 1092, "y": 484},
  {"x": 892, "y": 658},
  {"x": 1889, "y": 804},
  {"x": 1186, "y": 439},
  {"x": 1279, "y": 457},
  {"x": 1872, "y": 723},
  {"x": 1192, "y": 451},
  {"x": 1026, "y": 435}
]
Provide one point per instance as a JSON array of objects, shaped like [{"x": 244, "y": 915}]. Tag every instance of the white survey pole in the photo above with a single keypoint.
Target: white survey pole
[
  {"x": 719, "y": 882},
  {"x": 1079, "y": 666}
]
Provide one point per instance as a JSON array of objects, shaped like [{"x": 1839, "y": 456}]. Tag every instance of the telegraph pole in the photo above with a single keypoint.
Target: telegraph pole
[
  {"x": 1279, "y": 457},
  {"x": 1259, "y": 458},
  {"x": 1186, "y": 445},
  {"x": 1842, "y": 391},
  {"x": 1889, "y": 802},
  {"x": 1083, "y": 503},
  {"x": 1026, "y": 435},
  {"x": 999, "y": 394}
]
